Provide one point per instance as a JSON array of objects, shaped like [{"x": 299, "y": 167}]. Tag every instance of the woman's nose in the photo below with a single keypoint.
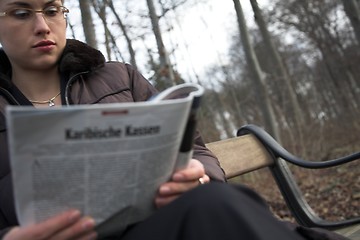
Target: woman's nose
[{"x": 41, "y": 24}]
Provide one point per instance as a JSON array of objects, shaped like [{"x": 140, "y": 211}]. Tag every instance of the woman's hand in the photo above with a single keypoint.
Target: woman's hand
[
  {"x": 68, "y": 225},
  {"x": 181, "y": 181}
]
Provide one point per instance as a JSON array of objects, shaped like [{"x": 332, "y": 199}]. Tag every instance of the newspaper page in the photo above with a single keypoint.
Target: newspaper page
[{"x": 106, "y": 160}]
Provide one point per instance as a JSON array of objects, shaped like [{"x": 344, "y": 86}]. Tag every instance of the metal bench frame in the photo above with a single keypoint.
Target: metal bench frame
[{"x": 254, "y": 148}]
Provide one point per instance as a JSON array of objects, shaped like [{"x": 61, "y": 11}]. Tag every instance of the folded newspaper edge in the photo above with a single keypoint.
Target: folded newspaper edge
[{"x": 55, "y": 169}]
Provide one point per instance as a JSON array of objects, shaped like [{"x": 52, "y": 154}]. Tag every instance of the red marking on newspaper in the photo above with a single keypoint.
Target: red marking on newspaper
[{"x": 115, "y": 112}]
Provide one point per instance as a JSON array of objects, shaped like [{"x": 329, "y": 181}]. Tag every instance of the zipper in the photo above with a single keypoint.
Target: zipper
[{"x": 68, "y": 85}]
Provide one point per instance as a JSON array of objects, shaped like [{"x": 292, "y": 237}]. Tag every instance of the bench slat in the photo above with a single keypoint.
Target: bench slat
[
  {"x": 352, "y": 232},
  {"x": 240, "y": 155}
]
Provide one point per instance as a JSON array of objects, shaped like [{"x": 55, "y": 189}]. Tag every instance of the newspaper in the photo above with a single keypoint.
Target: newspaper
[{"x": 107, "y": 160}]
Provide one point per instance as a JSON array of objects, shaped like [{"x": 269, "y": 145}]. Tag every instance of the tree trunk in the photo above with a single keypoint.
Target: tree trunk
[
  {"x": 352, "y": 10},
  {"x": 126, "y": 35},
  {"x": 87, "y": 22},
  {"x": 280, "y": 71},
  {"x": 165, "y": 71},
  {"x": 259, "y": 77},
  {"x": 100, "y": 9}
]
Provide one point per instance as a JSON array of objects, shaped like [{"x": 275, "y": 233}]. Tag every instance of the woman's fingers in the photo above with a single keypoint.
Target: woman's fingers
[
  {"x": 182, "y": 181},
  {"x": 82, "y": 228},
  {"x": 192, "y": 172},
  {"x": 68, "y": 225}
]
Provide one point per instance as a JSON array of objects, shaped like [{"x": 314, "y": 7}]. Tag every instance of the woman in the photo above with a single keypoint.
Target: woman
[{"x": 40, "y": 67}]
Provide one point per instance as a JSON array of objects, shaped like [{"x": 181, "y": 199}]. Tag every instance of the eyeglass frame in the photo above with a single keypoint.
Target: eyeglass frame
[{"x": 63, "y": 9}]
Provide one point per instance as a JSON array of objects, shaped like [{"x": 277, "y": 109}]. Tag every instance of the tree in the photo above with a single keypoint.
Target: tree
[
  {"x": 88, "y": 25},
  {"x": 352, "y": 10},
  {"x": 259, "y": 77},
  {"x": 100, "y": 9},
  {"x": 280, "y": 71},
  {"x": 126, "y": 35},
  {"x": 315, "y": 19},
  {"x": 165, "y": 71}
]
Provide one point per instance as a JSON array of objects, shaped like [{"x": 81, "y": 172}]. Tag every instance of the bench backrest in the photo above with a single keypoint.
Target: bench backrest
[{"x": 240, "y": 155}]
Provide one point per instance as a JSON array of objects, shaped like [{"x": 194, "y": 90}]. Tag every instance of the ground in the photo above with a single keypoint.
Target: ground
[{"x": 333, "y": 193}]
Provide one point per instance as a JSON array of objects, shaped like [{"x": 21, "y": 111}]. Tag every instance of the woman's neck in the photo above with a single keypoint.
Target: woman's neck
[{"x": 37, "y": 85}]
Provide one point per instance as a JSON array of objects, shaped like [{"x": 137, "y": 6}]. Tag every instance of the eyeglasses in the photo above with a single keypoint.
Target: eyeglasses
[{"x": 50, "y": 14}]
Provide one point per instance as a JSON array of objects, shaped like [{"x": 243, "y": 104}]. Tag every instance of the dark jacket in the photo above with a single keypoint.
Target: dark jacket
[{"x": 90, "y": 80}]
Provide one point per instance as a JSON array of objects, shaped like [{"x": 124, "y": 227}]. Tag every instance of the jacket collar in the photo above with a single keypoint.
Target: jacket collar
[{"x": 79, "y": 57}]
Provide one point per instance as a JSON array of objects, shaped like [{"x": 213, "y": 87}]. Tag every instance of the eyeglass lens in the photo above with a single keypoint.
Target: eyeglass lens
[{"x": 51, "y": 13}]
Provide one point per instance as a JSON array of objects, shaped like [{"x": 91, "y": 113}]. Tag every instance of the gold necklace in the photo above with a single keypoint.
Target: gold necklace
[{"x": 50, "y": 101}]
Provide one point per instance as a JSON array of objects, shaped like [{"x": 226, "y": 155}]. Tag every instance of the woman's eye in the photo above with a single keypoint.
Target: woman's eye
[
  {"x": 21, "y": 13},
  {"x": 51, "y": 11}
]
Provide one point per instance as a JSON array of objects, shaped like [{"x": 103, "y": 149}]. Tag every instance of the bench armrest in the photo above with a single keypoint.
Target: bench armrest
[{"x": 295, "y": 200}]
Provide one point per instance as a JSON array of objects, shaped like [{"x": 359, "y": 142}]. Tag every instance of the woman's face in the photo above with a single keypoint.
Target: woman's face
[{"x": 32, "y": 41}]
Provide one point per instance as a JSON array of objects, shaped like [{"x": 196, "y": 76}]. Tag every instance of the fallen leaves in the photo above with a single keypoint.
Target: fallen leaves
[{"x": 334, "y": 193}]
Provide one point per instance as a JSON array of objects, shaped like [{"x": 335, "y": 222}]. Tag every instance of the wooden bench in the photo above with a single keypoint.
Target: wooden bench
[{"x": 255, "y": 149}]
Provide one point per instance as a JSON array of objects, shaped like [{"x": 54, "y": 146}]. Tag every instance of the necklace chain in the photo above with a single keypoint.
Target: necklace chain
[{"x": 50, "y": 101}]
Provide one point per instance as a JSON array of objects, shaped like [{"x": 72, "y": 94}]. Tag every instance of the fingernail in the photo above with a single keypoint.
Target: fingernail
[
  {"x": 164, "y": 189},
  {"x": 88, "y": 223},
  {"x": 74, "y": 215},
  {"x": 178, "y": 176}
]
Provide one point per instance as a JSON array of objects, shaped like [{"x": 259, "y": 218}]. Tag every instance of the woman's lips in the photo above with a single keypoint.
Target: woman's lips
[{"x": 44, "y": 46}]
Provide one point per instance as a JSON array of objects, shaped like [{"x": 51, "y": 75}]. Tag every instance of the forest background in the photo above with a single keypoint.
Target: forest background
[{"x": 291, "y": 67}]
